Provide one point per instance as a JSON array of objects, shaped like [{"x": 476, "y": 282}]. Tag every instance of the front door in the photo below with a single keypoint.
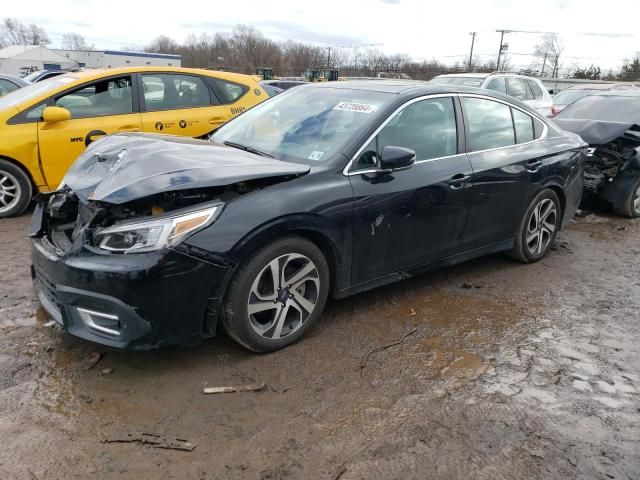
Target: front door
[
  {"x": 410, "y": 217},
  {"x": 179, "y": 104},
  {"x": 97, "y": 109},
  {"x": 508, "y": 162}
]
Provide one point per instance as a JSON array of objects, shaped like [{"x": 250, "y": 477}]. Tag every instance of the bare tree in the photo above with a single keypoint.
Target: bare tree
[
  {"x": 549, "y": 51},
  {"x": 163, "y": 44},
  {"x": 630, "y": 71},
  {"x": 13, "y": 32},
  {"x": 74, "y": 41}
]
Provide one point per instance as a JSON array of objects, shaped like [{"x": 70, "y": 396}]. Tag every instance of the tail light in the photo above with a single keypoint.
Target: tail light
[{"x": 555, "y": 110}]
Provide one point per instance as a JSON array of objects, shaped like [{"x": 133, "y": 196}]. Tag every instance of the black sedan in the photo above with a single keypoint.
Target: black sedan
[
  {"x": 325, "y": 190},
  {"x": 610, "y": 123}
]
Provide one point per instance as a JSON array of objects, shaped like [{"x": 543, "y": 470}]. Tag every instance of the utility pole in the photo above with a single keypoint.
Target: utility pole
[
  {"x": 502, "y": 32},
  {"x": 473, "y": 39},
  {"x": 328, "y": 57}
]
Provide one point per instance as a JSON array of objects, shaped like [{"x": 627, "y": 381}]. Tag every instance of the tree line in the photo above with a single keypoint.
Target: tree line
[{"x": 245, "y": 49}]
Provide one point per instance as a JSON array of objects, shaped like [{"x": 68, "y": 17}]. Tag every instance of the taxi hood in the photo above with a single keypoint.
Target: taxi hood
[{"x": 128, "y": 166}]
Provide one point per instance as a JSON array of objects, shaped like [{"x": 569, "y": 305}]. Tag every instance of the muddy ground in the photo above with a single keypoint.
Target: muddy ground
[{"x": 513, "y": 371}]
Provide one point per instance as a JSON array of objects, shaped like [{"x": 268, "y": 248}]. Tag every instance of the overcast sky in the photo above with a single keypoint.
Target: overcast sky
[{"x": 603, "y": 32}]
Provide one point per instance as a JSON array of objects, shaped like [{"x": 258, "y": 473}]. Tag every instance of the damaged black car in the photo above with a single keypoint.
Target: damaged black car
[
  {"x": 610, "y": 123},
  {"x": 324, "y": 191}
]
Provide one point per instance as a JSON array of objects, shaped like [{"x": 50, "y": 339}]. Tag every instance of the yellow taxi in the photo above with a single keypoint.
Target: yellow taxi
[{"x": 45, "y": 126}]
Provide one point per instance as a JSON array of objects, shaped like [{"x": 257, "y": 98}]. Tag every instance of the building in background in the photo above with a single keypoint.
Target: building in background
[
  {"x": 24, "y": 59},
  {"x": 114, "y": 58}
]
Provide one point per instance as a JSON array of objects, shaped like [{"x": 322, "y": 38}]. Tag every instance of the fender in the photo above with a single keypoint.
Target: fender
[
  {"x": 319, "y": 229},
  {"x": 617, "y": 191}
]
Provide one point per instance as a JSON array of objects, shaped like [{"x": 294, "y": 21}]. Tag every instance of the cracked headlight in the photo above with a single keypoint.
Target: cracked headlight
[{"x": 154, "y": 234}]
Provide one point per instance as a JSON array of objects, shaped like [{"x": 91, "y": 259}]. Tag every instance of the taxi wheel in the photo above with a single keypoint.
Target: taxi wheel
[{"x": 15, "y": 190}]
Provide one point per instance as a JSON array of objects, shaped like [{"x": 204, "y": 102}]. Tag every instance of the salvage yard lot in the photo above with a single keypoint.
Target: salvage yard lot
[{"x": 513, "y": 371}]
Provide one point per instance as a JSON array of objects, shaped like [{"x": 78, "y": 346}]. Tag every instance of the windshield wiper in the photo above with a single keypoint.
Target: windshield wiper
[{"x": 246, "y": 148}]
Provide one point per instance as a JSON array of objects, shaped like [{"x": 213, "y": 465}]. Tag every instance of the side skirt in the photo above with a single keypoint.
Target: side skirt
[{"x": 424, "y": 268}]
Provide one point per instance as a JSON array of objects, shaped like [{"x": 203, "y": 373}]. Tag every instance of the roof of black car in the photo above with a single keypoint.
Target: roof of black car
[
  {"x": 630, "y": 92},
  {"x": 400, "y": 86}
]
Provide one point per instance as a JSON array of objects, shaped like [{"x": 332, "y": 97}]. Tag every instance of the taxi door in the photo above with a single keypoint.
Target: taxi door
[
  {"x": 97, "y": 109},
  {"x": 179, "y": 104}
]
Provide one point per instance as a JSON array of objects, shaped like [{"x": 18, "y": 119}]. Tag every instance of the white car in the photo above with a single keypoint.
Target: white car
[{"x": 526, "y": 89}]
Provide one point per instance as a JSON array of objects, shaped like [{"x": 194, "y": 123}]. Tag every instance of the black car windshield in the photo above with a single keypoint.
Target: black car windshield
[
  {"x": 307, "y": 124},
  {"x": 468, "y": 81},
  {"x": 609, "y": 108},
  {"x": 567, "y": 97}
]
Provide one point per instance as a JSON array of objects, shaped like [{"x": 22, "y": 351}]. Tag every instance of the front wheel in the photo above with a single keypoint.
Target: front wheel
[
  {"x": 631, "y": 206},
  {"x": 538, "y": 229},
  {"x": 276, "y": 294},
  {"x": 15, "y": 190}
]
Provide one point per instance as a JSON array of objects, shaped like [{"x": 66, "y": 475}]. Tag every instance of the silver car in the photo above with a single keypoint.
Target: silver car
[{"x": 526, "y": 89}]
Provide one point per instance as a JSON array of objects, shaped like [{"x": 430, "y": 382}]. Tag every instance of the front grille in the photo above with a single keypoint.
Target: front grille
[{"x": 47, "y": 288}]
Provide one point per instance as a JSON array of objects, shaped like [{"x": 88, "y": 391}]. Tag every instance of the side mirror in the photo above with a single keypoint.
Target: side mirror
[
  {"x": 55, "y": 114},
  {"x": 397, "y": 158}
]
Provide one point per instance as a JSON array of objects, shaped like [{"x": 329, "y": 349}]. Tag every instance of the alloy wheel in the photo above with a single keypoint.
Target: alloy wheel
[
  {"x": 10, "y": 191},
  {"x": 283, "y": 296},
  {"x": 541, "y": 226},
  {"x": 636, "y": 201}
]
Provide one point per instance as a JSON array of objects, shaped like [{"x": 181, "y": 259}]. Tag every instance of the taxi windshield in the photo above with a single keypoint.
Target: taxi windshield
[
  {"x": 307, "y": 124},
  {"x": 34, "y": 90}
]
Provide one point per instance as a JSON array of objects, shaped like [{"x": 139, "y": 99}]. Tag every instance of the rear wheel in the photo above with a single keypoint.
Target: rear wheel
[
  {"x": 276, "y": 295},
  {"x": 538, "y": 229},
  {"x": 15, "y": 190},
  {"x": 631, "y": 207}
]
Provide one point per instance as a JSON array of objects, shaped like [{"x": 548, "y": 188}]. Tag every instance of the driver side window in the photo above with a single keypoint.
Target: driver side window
[{"x": 428, "y": 127}]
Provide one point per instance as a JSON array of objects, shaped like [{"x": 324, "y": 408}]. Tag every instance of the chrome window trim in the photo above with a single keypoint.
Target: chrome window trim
[{"x": 535, "y": 115}]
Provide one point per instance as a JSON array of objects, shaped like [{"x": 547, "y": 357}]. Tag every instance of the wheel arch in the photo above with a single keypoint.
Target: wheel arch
[
  {"x": 23, "y": 168},
  {"x": 319, "y": 230},
  {"x": 559, "y": 191}
]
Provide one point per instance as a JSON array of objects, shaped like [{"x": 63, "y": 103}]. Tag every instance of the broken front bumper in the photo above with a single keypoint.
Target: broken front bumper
[{"x": 136, "y": 301}]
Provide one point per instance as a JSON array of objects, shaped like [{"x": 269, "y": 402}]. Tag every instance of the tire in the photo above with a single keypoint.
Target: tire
[
  {"x": 631, "y": 206},
  {"x": 279, "y": 317},
  {"x": 534, "y": 238},
  {"x": 15, "y": 190}
]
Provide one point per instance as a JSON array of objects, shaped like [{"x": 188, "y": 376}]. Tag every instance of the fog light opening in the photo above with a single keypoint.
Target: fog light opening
[{"x": 102, "y": 322}]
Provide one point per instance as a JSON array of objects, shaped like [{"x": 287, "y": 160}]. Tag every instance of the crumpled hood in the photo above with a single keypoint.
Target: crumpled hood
[
  {"x": 596, "y": 132},
  {"x": 124, "y": 167}
]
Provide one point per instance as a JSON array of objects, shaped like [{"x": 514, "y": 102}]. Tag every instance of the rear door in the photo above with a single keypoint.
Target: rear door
[
  {"x": 179, "y": 104},
  {"x": 98, "y": 108},
  {"x": 414, "y": 216},
  {"x": 508, "y": 165}
]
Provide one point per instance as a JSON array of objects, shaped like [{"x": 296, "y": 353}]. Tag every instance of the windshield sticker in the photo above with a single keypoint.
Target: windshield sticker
[
  {"x": 356, "y": 107},
  {"x": 316, "y": 155}
]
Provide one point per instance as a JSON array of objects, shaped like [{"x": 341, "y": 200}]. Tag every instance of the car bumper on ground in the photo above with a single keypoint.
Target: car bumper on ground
[{"x": 136, "y": 301}]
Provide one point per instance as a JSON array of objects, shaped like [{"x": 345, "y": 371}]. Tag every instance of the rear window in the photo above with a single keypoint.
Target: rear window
[
  {"x": 567, "y": 97},
  {"x": 535, "y": 89},
  {"x": 624, "y": 109},
  {"x": 226, "y": 91}
]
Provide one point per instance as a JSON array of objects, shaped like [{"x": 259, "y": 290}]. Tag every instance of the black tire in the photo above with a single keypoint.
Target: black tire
[
  {"x": 526, "y": 250},
  {"x": 629, "y": 208},
  {"x": 253, "y": 274},
  {"x": 15, "y": 190}
]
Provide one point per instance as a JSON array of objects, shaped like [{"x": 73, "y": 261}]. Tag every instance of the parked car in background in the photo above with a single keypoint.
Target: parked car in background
[
  {"x": 284, "y": 84},
  {"x": 610, "y": 123},
  {"x": 571, "y": 94},
  {"x": 9, "y": 83},
  {"x": 46, "y": 125},
  {"x": 327, "y": 190},
  {"x": 527, "y": 89},
  {"x": 270, "y": 89},
  {"x": 40, "y": 75}
]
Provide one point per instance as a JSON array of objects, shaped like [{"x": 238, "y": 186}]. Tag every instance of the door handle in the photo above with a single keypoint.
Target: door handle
[
  {"x": 216, "y": 120},
  {"x": 534, "y": 165},
  {"x": 459, "y": 180},
  {"x": 129, "y": 128}
]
